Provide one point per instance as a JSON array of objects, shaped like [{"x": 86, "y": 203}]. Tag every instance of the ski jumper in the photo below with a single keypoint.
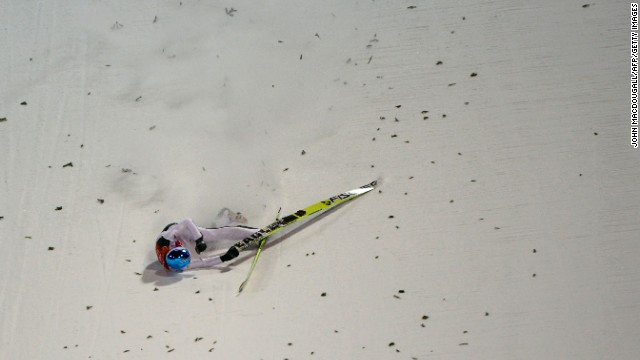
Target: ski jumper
[{"x": 187, "y": 238}]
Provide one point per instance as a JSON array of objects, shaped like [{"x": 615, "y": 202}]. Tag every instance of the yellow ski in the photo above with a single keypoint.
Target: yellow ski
[{"x": 260, "y": 237}]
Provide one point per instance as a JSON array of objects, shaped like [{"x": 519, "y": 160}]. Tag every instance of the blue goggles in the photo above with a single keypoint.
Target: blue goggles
[{"x": 178, "y": 258}]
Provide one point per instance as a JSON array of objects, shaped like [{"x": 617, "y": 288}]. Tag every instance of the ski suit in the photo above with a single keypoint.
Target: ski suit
[{"x": 195, "y": 239}]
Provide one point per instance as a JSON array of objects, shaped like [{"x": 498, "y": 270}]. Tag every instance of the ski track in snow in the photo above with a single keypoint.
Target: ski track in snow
[{"x": 505, "y": 225}]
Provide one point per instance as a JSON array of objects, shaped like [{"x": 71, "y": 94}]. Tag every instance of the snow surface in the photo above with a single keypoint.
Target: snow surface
[{"x": 506, "y": 226}]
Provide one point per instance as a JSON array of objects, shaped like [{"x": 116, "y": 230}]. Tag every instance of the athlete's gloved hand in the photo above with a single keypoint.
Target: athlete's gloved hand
[{"x": 200, "y": 245}]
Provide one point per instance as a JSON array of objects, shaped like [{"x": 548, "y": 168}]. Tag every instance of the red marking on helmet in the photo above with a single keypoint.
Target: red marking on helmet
[{"x": 161, "y": 253}]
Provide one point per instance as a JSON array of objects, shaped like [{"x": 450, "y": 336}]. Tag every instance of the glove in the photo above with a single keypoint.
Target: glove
[{"x": 200, "y": 245}]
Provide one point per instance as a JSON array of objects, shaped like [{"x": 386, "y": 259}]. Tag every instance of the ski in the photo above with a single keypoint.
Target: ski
[
  {"x": 255, "y": 258},
  {"x": 253, "y": 265},
  {"x": 260, "y": 237}
]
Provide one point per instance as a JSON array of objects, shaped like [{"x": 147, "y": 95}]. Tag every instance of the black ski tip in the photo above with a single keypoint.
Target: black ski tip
[{"x": 372, "y": 184}]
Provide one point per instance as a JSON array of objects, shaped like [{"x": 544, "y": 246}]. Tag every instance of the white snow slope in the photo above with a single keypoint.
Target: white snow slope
[{"x": 506, "y": 225}]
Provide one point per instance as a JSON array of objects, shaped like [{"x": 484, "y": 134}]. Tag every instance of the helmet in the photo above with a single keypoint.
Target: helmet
[
  {"x": 172, "y": 254},
  {"x": 178, "y": 258}
]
